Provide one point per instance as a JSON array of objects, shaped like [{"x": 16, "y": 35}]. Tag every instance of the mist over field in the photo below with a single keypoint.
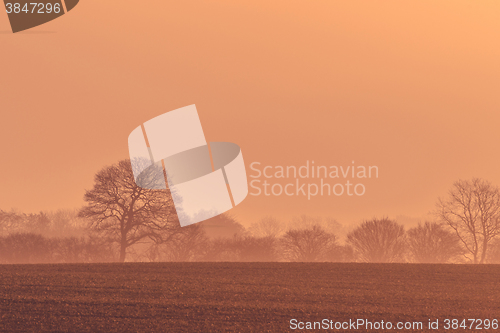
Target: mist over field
[{"x": 125, "y": 223}]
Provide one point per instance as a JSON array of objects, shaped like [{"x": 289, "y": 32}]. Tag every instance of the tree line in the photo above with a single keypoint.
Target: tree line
[
  {"x": 124, "y": 222},
  {"x": 311, "y": 240}
]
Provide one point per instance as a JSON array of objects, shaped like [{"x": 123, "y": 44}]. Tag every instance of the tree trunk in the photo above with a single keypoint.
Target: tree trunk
[
  {"x": 483, "y": 255},
  {"x": 123, "y": 249},
  {"x": 122, "y": 253}
]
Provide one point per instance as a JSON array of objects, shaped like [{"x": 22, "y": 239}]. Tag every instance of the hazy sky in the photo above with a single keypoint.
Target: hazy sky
[{"x": 410, "y": 87}]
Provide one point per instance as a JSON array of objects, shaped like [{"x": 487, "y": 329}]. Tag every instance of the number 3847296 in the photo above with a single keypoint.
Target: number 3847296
[{"x": 33, "y": 8}]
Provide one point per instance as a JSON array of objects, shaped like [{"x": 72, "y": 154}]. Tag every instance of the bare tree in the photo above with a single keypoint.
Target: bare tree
[
  {"x": 254, "y": 249},
  {"x": 25, "y": 248},
  {"x": 31, "y": 248},
  {"x": 37, "y": 223},
  {"x": 431, "y": 243},
  {"x": 268, "y": 226},
  {"x": 221, "y": 249},
  {"x": 472, "y": 210},
  {"x": 310, "y": 244},
  {"x": 378, "y": 240},
  {"x": 51, "y": 224},
  {"x": 340, "y": 253},
  {"x": 81, "y": 250},
  {"x": 11, "y": 222},
  {"x": 127, "y": 214},
  {"x": 66, "y": 223}
]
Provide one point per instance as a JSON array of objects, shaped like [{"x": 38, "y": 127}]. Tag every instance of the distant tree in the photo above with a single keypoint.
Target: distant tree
[
  {"x": 221, "y": 249},
  {"x": 340, "y": 253},
  {"x": 241, "y": 248},
  {"x": 378, "y": 240},
  {"x": 222, "y": 226},
  {"x": 329, "y": 224},
  {"x": 431, "y": 243},
  {"x": 472, "y": 210},
  {"x": 37, "y": 223},
  {"x": 186, "y": 245},
  {"x": 61, "y": 223},
  {"x": 309, "y": 244},
  {"x": 31, "y": 248},
  {"x": 268, "y": 226},
  {"x": 10, "y": 222},
  {"x": 66, "y": 223},
  {"x": 127, "y": 214},
  {"x": 257, "y": 249},
  {"x": 26, "y": 248},
  {"x": 81, "y": 250}
]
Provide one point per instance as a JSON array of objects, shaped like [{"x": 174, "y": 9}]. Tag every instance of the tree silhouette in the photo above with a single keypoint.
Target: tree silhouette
[
  {"x": 472, "y": 210},
  {"x": 304, "y": 245},
  {"x": 222, "y": 226},
  {"x": 254, "y": 249},
  {"x": 431, "y": 243},
  {"x": 268, "y": 226},
  {"x": 10, "y": 222},
  {"x": 25, "y": 248},
  {"x": 378, "y": 240},
  {"x": 127, "y": 214}
]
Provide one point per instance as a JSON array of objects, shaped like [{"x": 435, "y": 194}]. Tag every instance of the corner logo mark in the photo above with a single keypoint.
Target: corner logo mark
[
  {"x": 171, "y": 151},
  {"x": 25, "y": 15}
]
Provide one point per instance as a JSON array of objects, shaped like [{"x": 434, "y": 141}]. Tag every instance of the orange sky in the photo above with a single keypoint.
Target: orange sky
[{"x": 411, "y": 87}]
